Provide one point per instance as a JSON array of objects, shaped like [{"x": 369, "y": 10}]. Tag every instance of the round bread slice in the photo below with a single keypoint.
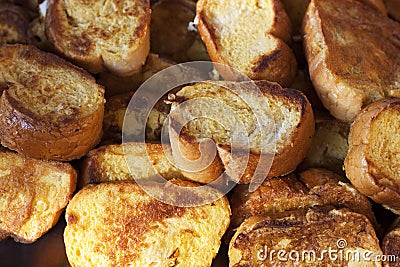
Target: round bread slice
[
  {"x": 96, "y": 35},
  {"x": 49, "y": 109},
  {"x": 373, "y": 161},
  {"x": 119, "y": 224}
]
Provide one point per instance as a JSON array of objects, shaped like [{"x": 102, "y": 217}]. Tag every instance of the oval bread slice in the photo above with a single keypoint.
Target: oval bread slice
[
  {"x": 372, "y": 163},
  {"x": 119, "y": 224},
  {"x": 49, "y": 109},
  {"x": 97, "y": 35}
]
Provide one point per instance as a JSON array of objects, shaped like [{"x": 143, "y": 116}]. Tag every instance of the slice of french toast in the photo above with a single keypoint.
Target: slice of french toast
[
  {"x": 310, "y": 188},
  {"x": 33, "y": 193},
  {"x": 112, "y": 35},
  {"x": 310, "y": 237},
  {"x": 249, "y": 36},
  {"x": 127, "y": 162},
  {"x": 14, "y": 22},
  {"x": 391, "y": 245},
  {"x": 225, "y": 109},
  {"x": 353, "y": 55},
  {"x": 49, "y": 108},
  {"x": 372, "y": 163},
  {"x": 119, "y": 224}
]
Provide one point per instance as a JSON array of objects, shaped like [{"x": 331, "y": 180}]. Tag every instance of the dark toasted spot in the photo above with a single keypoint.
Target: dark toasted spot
[
  {"x": 264, "y": 61},
  {"x": 72, "y": 219}
]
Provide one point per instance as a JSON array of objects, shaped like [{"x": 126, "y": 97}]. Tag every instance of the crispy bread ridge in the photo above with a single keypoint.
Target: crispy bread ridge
[
  {"x": 232, "y": 32},
  {"x": 114, "y": 36},
  {"x": 353, "y": 55},
  {"x": 49, "y": 109},
  {"x": 109, "y": 163},
  {"x": 301, "y": 231},
  {"x": 372, "y": 160},
  {"x": 295, "y": 128},
  {"x": 119, "y": 224},
  {"x": 310, "y": 188},
  {"x": 33, "y": 194}
]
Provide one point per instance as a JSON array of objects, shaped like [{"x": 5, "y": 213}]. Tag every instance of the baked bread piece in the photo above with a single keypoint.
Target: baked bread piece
[
  {"x": 119, "y": 224},
  {"x": 353, "y": 55},
  {"x": 249, "y": 36},
  {"x": 50, "y": 109},
  {"x": 116, "y": 85},
  {"x": 310, "y": 188},
  {"x": 110, "y": 163},
  {"x": 309, "y": 233},
  {"x": 391, "y": 244},
  {"x": 289, "y": 109},
  {"x": 33, "y": 194},
  {"x": 329, "y": 145},
  {"x": 114, "y": 35},
  {"x": 114, "y": 114},
  {"x": 14, "y": 23},
  {"x": 372, "y": 163}
]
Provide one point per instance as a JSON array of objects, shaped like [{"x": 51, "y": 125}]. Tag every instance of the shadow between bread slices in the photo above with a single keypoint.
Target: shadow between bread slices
[
  {"x": 289, "y": 110},
  {"x": 49, "y": 109}
]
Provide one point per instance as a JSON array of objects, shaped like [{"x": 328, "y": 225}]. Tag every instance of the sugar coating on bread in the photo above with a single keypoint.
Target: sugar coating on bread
[
  {"x": 118, "y": 224},
  {"x": 33, "y": 195},
  {"x": 372, "y": 163},
  {"x": 127, "y": 162},
  {"x": 249, "y": 36},
  {"x": 49, "y": 109},
  {"x": 305, "y": 230},
  {"x": 352, "y": 53},
  {"x": 97, "y": 35}
]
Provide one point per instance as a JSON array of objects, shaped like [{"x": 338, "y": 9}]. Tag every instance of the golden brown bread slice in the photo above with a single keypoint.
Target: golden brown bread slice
[
  {"x": 112, "y": 35},
  {"x": 353, "y": 55},
  {"x": 114, "y": 114},
  {"x": 50, "y": 109},
  {"x": 310, "y": 188},
  {"x": 372, "y": 163},
  {"x": 33, "y": 194},
  {"x": 119, "y": 224},
  {"x": 110, "y": 163},
  {"x": 391, "y": 245},
  {"x": 14, "y": 22},
  {"x": 250, "y": 36},
  {"x": 116, "y": 85},
  {"x": 305, "y": 237},
  {"x": 287, "y": 108},
  {"x": 329, "y": 145}
]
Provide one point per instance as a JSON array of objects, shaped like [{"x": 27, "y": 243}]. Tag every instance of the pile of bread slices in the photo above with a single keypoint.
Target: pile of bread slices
[{"x": 327, "y": 72}]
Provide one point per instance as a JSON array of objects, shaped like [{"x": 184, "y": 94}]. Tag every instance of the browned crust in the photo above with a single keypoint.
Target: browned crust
[
  {"x": 358, "y": 167},
  {"x": 279, "y": 66},
  {"x": 288, "y": 159},
  {"x": 79, "y": 49},
  {"x": 40, "y": 138},
  {"x": 13, "y": 24},
  {"x": 391, "y": 244}
]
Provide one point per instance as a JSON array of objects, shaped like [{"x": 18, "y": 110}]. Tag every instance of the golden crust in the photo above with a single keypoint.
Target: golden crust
[
  {"x": 350, "y": 64},
  {"x": 277, "y": 65},
  {"x": 359, "y": 166},
  {"x": 54, "y": 135},
  {"x": 92, "y": 44},
  {"x": 34, "y": 193}
]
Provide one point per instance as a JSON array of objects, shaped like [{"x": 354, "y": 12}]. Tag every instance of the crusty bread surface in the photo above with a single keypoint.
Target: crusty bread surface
[
  {"x": 49, "y": 109},
  {"x": 250, "y": 36},
  {"x": 14, "y": 23},
  {"x": 33, "y": 194},
  {"x": 305, "y": 230},
  {"x": 119, "y": 224},
  {"x": 127, "y": 162},
  {"x": 113, "y": 35},
  {"x": 372, "y": 163},
  {"x": 288, "y": 109},
  {"x": 353, "y": 55}
]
